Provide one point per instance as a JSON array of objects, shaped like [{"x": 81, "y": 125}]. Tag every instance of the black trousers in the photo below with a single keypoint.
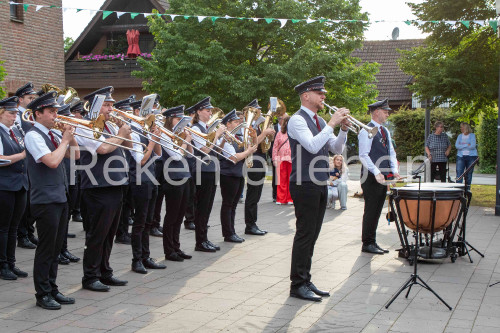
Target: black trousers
[
  {"x": 191, "y": 201},
  {"x": 144, "y": 200},
  {"x": 275, "y": 180},
  {"x": 374, "y": 195},
  {"x": 230, "y": 189},
  {"x": 51, "y": 228},
  {"x": 27, "y": 224},
  {"x": 310, "y": 205},
  {"x": 205, "y": 194},
  {"x": 127, "y": 209},
  {"x": 159, "y": 198},
  {"x": 254, "y": 193},
  {"x": 438, "y": 168},
  {"x": 176, "y": 200},
  {"x": 75, "y": 196},
  {"x": 102, "y": 210},
  {"x": 12, "y": 206}
]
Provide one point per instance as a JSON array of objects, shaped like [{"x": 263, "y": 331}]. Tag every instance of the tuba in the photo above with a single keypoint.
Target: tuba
[
  {"x": 276, "y": 109},
  {"x": 250, "y": 115}
]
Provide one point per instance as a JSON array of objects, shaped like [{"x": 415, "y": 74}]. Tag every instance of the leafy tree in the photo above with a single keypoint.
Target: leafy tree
[
  {"x": 456, "y": 62},
  {"x": 3, "y": 74},
  {"x": 236, "y": 60},
  {"x": 68, "y": 42}
]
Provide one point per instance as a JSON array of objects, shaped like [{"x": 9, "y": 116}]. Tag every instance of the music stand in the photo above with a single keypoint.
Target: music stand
[
  {"x": 462, "y": 243},
  {"x": 414, "y": 278}
]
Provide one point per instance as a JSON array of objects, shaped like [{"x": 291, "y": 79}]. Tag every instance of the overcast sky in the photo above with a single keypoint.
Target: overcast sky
[{"x": 389, "y": 10}]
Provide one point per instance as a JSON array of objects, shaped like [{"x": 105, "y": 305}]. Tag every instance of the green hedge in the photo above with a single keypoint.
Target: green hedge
[{"x": 487, "y": 143}]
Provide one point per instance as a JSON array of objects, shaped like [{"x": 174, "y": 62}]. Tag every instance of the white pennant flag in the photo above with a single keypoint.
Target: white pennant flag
[
  {"x": 255, "y": 19},
  {"x": 118, "y": 14},
  {"x": 201, "y": 18},
  {"x": 481, "y": 23},
  {"x": 310, "y": 20},
  {"x": 92, "y": 12},
  {"x": 147, "y": 14},
  {"x": 447, "y": 22},
  {"x": 173, "y": 16},
  {"x": 38, "y": 7},
  {"x": 227, "y": 17},
  {"x": 283, "y": 22}
]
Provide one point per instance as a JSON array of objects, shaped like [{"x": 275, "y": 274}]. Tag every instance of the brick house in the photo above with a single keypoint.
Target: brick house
[
  {"x": 108, "y": 36},
  {"x": 32, "y": 45},
  {"x": 391, "y": 81}
]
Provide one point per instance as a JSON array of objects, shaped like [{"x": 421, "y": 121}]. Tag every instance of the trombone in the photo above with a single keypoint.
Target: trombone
[
  {"x": 356, "y": 125},
  {"x": 207, "y": 140}
]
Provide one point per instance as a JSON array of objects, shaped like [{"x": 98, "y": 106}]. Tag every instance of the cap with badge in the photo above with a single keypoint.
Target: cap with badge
[
  {"x": 48, "y": 100},
  {"x": 64, "y": 110},
  {"x": 231, "y": 116},
  {"x": 384, "y": 105},
  {"x": 254, "y": 104},
  {"x": 315, "y": 84},
  {"x": 27, "y": 89},
  {"x": 203, "y": 104},
  {"x": 9, "y": 103},
  {"x": 176, "y": 111},
  {"x": 78, "y": 107},
  {"x": 136, "y": 104},
  {"x": 106, "y": 91},
  {"x": 124, "y": 104}
]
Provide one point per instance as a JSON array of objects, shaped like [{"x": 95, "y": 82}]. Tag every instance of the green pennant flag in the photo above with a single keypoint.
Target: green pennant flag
[
  {"x": 466, "y": 23},
  {"x": 106, "y": 13},
  {"x": 133, "y": 15},
  {"x": 269, "y": 20},
  {"x": 214, "y": 18},
  {"x": 435, "y": 21},
  {"x": 322, "y": 20},
  {"x": 26, "y": 7},
  {"x": 408, "y": 22},
  {"x": 78, "y": 10},
  {"x": 494, "y": 25},
  {"x": 295, "y": 20},
  {"x": 186, "y": 17}
]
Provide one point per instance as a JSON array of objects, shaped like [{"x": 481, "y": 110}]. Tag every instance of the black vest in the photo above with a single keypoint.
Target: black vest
[
  {"x": 67, "y": 165},
  {"x": 322, "y": 163},
  {"x": 47, "y": 185},
  {"x": 13, "y": 177},
  {"x": 379, "y": 154},
  {"x": 259, "y": 157},
  {"x": 228, "y": 168},
  {"x": 134, "y": 165},
  {"x": 211, "y": 167},
  {"x": 98, "y": 169}
]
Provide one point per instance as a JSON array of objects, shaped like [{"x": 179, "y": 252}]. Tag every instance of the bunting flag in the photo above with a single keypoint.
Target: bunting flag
[{"x": 492, "y": 23}]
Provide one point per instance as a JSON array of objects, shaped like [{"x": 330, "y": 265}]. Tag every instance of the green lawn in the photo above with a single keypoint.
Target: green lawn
[{"x": 483, "y": 195}]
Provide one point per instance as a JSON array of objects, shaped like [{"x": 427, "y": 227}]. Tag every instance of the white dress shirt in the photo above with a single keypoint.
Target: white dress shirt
[
  {"x": 298, "y": 130},
  {"x": 35, "y": 143},
  {"x": 228, "y": 148},
  {"x": 136, "y": 145},
  {"x": 18, "y": 116},
  {"x": 199, "y": 142},
  {"x": 90, "y": 145},
  {"x": 172, "y": 152},
  {"x": 365, "y": 145},
  {"x": 6, "y": 129}
]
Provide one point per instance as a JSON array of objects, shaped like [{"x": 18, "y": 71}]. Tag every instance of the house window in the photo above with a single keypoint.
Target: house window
[
  {"x": 16, "y": 12},
  {"x": 146, "y": 43}
]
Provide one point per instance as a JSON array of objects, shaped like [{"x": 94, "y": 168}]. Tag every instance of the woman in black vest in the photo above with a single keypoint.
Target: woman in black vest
[
  {"x": 176, "y": 186},
  {"x": 13, "y": 188},
  {"x": 231, "y": 178}
]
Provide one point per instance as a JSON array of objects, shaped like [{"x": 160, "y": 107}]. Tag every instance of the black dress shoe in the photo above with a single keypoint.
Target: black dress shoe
[
  {"x": 6, "y": 273},
  {"x": 217, "y": 248},
  {"x": 112, "y": 281},
  {"x": 233, "y": 239},
  {"x": 17, "y": 271},
  {"x": 151, "y": 263},
  {"x": 371, "y": 248},
  {"x": 189, "y": 225},
  {"x": 381, "y": 249},
  {"x": 183, "y": 255},
  {"x": 303, "y": 292},
  {"x": 70, "y": 235},
  {"x": 138, "y": 267},
  {"x": 155, "y": 232},
  {"x": 123, "y": 239},
  {"x": 242, "y": 239},
  {"x": 254, "y": 230},
  {"x": 48, "y": 302},
  {"x": 317, "y": 291},
  {"x": 96, "y": 286},
  {"x": 61, "y": 299},
  {"x": 174, "y": 257},
  {"x": 130, "y": 221},
  {"x": 160, "y": 229},
  {"x": 204, "y": 247},
  {"x": 63, "y": 260},
  {"x": 25, "y": 243},
  {"x": 70, "y": 256},
  {"x": 77, "y": 217},
  {"x": 32, "y": 238}
]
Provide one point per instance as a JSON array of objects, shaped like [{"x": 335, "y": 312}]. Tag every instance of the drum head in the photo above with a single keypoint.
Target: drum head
[{"x": 437, "y": 185}]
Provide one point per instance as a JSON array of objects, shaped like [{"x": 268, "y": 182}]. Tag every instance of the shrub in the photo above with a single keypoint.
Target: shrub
[{"x": 487, "y": 143}]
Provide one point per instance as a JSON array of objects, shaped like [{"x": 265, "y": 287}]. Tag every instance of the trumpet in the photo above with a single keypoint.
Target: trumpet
[{"x": 356, "y": 125}]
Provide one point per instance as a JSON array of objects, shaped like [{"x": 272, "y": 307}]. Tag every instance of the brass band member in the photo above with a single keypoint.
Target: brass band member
[
  {"x": 256, "y": 176},
  {"x": 231, "y": 178},
  {"x": 102, "y": 194},
  {"x": 13, "y": 187},
  {"x": 379, "y": 160},
  {"x": 49, "y": 204},
  {"x": 206, "y": 187},
  {"x": 310, "y": 138},
  {"x": 176, "y": 187}
]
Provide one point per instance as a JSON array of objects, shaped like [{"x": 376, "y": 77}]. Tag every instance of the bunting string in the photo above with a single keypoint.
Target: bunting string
[{"x": 493, "y": 23}]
